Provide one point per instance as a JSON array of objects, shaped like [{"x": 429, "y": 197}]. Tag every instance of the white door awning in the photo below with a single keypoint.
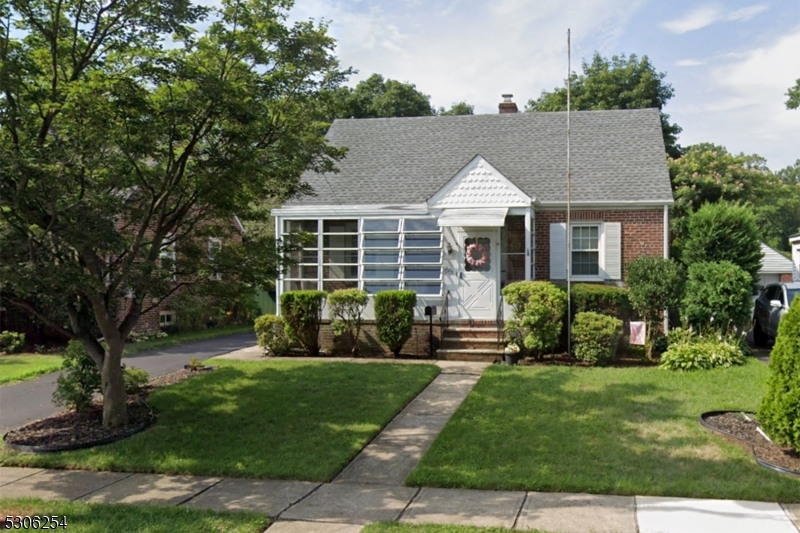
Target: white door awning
[{"x": 485, "y": 217}]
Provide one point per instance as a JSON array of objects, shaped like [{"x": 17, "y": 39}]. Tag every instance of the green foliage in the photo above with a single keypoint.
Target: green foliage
[
  {"x": 346, "y": 306},
  {"x": 793, "y": 100},
  {"x": 604, "y": 299},
  {"x": 11, "y": 342},
  {"x": 724, "y": 232},
  {"x": 654, "y": 285},
  {"x": 595, "y": 337},
  {"x": 271, "y": 334},
  {"x": 538, "y": 310},
  {"x": 680, "y": 335},
  {"x": 717, "y": 296},
  {"x": 394, "y": 317},
  {"x": 79, "y": 379},
  {"x": 302, "y": 316},
  {"x": 195, "y": 364},
  {"x": 779, "y": 412},
  {"x": 458, "y": 108},
  {"x": 135, "y": 379},
  {"x": 624, "y": 82},
  {"x": 702, "y": 353},
  {"x": 376, "y": 97}
]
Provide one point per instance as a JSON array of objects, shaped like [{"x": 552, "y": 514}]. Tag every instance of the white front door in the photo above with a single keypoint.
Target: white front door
[{"x": 478, "y": 269}]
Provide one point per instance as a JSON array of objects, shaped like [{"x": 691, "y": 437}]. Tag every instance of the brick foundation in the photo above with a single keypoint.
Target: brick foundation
[
  {"x": 369, "y": 345},
  {"x": 642, "y": 233}
]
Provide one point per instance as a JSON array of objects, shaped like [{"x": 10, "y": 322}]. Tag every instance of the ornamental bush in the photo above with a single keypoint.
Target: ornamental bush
[
  {"x": 346, "y": 306},
  {"x": 302, "y": 316},
  {"x": 654, "y": 285},
  {"x": 779, "y": 412},
  {"x": 724, "y": 231},
  {"x": 595, "y": 337},
  {"x": 394, "y": 317},
  {"x": 271, "y": 335},
  {"x": 718, "y": 296},
  {"x": 11, "y": 342},
  {"x": 135, "y": 379},
  {"x": 538, "y": 309},
  {"x": 702, "y": 353},
  {"x": 604, "y": 299},
  {"x": 79, "y": 379}
]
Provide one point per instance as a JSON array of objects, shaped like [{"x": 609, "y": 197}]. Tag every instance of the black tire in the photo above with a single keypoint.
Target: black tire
[{"x": 760, "y": 337}]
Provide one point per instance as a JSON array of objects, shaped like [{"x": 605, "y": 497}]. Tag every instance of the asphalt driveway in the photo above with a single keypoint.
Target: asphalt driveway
[{"x": 32, "y": 400}]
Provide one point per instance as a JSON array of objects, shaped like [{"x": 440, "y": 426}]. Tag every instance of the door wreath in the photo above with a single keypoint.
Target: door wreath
[{"x": 477, "y": 255}]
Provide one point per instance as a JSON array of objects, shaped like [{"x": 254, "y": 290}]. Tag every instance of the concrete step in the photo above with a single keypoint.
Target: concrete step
[
  {"x": 460, "y": 332},
  {"x": 483, "y": 343},
  {"x": 482, "y": 355}
]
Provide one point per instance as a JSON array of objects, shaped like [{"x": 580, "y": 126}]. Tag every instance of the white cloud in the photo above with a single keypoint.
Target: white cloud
[
  {"x": 741, "y": 104},
  {"x": 689, "y": 63},
  {"x": 707, "y": 15}
]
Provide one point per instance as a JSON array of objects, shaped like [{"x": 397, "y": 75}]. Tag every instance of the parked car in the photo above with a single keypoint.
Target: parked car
[{"x": 770, "y": 306}]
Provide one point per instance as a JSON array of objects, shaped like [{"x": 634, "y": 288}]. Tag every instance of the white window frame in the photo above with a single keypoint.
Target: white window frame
[
  {"x": 168, "y": 251},
  {"x": 166, "y": 314},
  {"x": 600, "y": 251},
  {"x": 214, "y": 245},
  {"x": 322, "y": 248}
]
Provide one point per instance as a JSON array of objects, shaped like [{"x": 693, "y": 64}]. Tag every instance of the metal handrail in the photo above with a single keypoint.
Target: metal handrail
[
  {"x": 444, "y": 317},
  {"x": 500, "y": 321}
]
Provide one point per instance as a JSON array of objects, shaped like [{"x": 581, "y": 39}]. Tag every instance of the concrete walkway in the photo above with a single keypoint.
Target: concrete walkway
[{"x": 370, "y": 489}]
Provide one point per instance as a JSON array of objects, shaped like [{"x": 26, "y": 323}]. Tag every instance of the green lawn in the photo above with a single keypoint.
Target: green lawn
[
  {"x": 603, "y": 430},
  {"x": 181, "y": 338},
  {"x": 25, "y": 366},
  {"x": 102, "y": 518},
  {"x": 264, "y": 419}
]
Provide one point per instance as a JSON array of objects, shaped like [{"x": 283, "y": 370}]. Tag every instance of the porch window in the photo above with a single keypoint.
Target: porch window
[
  {"x": 586, "y": 250},
  {"x": 339, "y": 254},
  {"x": 304, "y": 273},
  {"x": 512, "y": 250}
]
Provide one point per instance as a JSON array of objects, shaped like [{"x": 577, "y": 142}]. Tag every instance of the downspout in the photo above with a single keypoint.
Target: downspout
[{"x": 666, "y": 256}]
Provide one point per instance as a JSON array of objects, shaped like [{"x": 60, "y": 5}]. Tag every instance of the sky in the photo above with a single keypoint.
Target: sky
[{"x": 730, "y": 63}]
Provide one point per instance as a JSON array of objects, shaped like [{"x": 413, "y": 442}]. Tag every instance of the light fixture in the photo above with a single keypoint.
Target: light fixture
[{"x": 449, "y": 248}]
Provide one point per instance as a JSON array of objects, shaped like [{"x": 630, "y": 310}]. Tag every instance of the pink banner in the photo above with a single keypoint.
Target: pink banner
[{"x": 638, "y": 330}]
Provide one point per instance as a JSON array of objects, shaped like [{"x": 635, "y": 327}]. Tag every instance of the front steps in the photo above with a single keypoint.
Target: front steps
[{"x": 464, "y": 342}]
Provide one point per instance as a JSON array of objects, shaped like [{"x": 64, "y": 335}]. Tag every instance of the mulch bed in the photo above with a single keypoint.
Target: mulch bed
[
  {"x": 75, "y": 430},
  {"x": 743, "y": 426},
  {"x": 563, "y": 359}
]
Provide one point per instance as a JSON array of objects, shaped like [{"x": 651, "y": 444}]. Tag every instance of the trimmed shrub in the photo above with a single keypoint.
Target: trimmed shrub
[
  {"x": 538, "y": 310},
  {"x": 779, "y": 412},
  {"x": 346, "y": 306},
  {"x": 654, "y": 285},
  {"x": 604, "y": 299},
  {"x": 79, "y": 379},
  {"x": 595, "y": 337},
  {"x": 394, "y": 317},
  {"x": 302, "y": 316},
  {"x": 11, "y": 342},
  {"x": 135, "y": 379},
  {"x": 702, "y": 353},
  {"x": 718, "y": 296},
  {"x": 271, "y": 335},
  {"x": 724, "y": 231}
]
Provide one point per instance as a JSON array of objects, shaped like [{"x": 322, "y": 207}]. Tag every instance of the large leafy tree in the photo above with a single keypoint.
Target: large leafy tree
[
  {"x": 458, "y": 108},
  {"x": 708, "y": 173},
  {"x": 623, "y": 82},
  {"x": 793, "y": 102},
  {"x": 116, "y": 147},
  {"x": 377, "y": 97}
]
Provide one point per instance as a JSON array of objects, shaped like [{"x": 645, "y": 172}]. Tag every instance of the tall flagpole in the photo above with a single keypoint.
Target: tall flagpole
[{"x": 569, "y": 235}]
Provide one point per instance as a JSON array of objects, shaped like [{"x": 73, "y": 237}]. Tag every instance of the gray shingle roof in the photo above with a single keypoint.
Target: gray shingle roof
[{"x": 616, "y": 156}]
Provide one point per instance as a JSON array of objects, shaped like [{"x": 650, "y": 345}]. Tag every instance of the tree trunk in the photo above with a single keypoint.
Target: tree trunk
[{"x": 115, "y": 411}]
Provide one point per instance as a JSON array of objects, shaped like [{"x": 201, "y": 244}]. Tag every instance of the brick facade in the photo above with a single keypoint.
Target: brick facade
[
  {"x": 642, "y": 233},
  {"x": 417, "y": 345}
]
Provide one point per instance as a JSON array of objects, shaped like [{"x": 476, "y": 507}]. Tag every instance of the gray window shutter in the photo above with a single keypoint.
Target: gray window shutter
[
  {"x": 613, "y": 249},
  {"x": 558, "y": 251}
]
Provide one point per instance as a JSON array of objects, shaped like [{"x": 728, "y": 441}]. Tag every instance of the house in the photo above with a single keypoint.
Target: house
[
  {"x": 775, "y": 267},
  {"x": 457, "y": 207}
]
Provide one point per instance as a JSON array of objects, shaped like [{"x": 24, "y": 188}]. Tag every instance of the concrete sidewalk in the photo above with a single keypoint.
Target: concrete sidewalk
[{"x": 301, "y": 506}]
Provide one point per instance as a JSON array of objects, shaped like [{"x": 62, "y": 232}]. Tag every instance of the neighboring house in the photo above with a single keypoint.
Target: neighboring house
[
  {"x": 775, "y": 267},
  {"x": 457, "y": 207}
]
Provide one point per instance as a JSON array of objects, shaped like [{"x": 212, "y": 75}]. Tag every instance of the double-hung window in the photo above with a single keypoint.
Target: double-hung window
[{"x": 586, "y": 250}]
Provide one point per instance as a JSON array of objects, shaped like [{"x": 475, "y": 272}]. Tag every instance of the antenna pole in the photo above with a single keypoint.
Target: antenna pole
[{"x": 569, "y": 232}]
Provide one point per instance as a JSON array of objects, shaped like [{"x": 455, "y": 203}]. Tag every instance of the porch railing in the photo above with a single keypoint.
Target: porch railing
[
  {"x": 444, "y": 317},
  {"x": 500, "y": 321}
]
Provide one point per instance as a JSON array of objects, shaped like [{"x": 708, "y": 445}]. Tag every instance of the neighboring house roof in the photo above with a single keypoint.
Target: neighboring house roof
[
  {"x": 774, "y": 262},
  {"x": 616, "y": 157}
]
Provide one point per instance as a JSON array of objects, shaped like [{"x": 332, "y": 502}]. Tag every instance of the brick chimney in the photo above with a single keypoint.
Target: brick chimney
[{"x": 507, "y": 106}]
